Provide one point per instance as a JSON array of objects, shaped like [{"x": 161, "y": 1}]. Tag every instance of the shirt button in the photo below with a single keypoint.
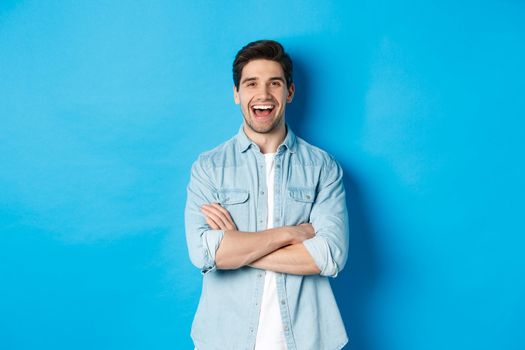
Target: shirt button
[
  {"x": 283, "y": 302},
  {"x": 262, "y": 192},
  {"x": 277, "y": 166},
  {"x": 259, "y": 275},
  {"x": 286, "y": 328}
]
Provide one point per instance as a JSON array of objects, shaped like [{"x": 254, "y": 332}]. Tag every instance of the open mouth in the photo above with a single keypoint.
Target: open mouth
[{"x": 263, "y": 110}]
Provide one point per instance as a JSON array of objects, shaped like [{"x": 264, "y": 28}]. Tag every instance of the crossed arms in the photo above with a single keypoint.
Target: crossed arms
[
  {"x": 277, "y": 249},
  {"x": 317, "y": 247}
]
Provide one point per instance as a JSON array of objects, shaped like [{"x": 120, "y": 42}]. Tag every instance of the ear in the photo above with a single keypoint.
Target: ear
[
  {"x": 291, "y": 92},
  {"x": 236, "y": 97}
]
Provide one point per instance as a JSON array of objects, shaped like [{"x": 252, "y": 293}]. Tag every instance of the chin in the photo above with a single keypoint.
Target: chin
[{"x": 263, "y": 128}]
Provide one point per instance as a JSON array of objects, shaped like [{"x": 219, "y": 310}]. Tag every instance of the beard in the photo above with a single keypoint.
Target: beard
[{"x": 263, "y": 129}]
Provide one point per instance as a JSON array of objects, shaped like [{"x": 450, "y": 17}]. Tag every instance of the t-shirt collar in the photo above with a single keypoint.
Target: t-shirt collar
[{"x": 244, "y": 142}]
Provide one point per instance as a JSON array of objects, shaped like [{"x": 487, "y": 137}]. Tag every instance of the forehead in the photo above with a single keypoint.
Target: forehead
[{"x": 261, "y": 68}]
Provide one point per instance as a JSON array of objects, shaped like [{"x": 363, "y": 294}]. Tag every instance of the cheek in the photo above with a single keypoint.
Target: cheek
[
  {"x": 244, "y": 102},
  {"x": 245, "y": 107}
]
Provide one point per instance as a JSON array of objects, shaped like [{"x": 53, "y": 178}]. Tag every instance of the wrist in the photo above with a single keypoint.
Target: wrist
[
  {"x": 281, "y": 236},
  {"x": 288, "y": 235}
]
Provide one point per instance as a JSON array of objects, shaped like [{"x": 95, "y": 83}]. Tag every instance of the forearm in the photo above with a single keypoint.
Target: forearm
[
  {"x": 292, "y": 259},
  {"x": 238, "y": 249}
]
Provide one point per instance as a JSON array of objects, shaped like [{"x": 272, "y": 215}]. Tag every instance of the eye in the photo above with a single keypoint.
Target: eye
[
  {"x": 276, "y": 83},
  {"x": 250, "y": 84}
]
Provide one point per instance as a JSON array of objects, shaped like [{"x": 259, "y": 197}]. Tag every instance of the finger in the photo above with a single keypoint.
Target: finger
[
  {"x": 222, "y": 214},
  {"x": 308, "y": 228},
  {"x": 220, "y": 208},
  {"x": 212, "y": 223},
  {"x": 215, "y": 216},
  {"x": 226, "y": 214}
]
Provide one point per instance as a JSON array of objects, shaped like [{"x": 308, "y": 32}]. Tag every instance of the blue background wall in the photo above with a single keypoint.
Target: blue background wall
[{"x": 104, "y": 105}]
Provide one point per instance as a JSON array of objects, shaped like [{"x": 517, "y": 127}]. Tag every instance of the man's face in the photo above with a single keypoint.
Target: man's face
[{"x": 263, "y": 95}]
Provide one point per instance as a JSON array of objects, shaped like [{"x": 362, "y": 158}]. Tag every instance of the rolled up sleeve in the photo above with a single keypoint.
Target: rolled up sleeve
[
  {"x": 329, "y": 217},
  {"x": 202, "y": 241}
]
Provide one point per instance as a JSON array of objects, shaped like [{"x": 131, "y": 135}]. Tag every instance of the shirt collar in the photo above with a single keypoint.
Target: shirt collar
[{"x": 244, "y": 142}]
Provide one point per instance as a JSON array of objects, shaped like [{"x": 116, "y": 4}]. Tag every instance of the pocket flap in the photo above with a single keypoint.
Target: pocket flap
[
  {"x": 302, "y": 194},
  {"x": 233, "y": 196}
]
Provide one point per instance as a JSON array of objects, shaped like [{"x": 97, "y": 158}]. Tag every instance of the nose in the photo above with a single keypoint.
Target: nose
[{"x": 264, "y": 91}]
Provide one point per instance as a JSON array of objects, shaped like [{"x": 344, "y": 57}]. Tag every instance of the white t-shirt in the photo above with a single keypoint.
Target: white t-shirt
[{"x": 270, "y": 334}]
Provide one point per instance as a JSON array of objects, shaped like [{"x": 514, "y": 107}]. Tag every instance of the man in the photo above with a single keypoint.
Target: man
[{"x": 266, "y": 222}]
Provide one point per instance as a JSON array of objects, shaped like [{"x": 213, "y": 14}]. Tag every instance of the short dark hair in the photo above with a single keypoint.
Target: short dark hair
[{"x": 262, "y": 49}]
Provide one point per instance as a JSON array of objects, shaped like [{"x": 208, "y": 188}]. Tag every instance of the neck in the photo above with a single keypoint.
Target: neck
[{"x": 267, "y": 142}]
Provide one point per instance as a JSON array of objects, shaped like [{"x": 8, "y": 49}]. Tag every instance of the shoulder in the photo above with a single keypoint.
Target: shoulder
[
  {"x": 219, "y": 155},
  {"x": 310, "y": 155}
]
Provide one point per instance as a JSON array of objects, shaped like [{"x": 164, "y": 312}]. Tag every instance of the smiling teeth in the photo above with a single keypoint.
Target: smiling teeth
[{"x": 263, "y": 107}]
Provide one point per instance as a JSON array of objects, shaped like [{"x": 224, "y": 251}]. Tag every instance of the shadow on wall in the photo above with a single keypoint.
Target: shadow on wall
[
  {"x": 297, "y": 111},
  {"x": 354, "y": 287}
]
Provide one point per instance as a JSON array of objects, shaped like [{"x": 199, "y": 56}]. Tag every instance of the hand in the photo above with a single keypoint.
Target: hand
[
  {"x": 217, "y": 217},
  {"x": 301, "y": 233}
]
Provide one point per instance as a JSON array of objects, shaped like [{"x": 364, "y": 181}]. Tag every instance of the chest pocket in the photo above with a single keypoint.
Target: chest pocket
[
  {"x": 236, "y": 202},
  {"x": 299, "y": 203}
]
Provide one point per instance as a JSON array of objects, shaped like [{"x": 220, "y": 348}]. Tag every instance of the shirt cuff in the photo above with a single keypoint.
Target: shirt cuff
[
  {"x": 211, "y": 239},
  {"x": 320, "y": 251}
]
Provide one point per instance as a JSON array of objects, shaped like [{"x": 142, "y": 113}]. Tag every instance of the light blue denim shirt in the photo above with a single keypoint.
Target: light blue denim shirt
[{"x": 308, "y": 188}]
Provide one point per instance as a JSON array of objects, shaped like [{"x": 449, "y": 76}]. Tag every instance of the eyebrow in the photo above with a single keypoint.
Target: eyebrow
[
  {"x": 281, "y": 79},
  {"x": 248, "y": 79},
  {"x": 255, "y": 79}
]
